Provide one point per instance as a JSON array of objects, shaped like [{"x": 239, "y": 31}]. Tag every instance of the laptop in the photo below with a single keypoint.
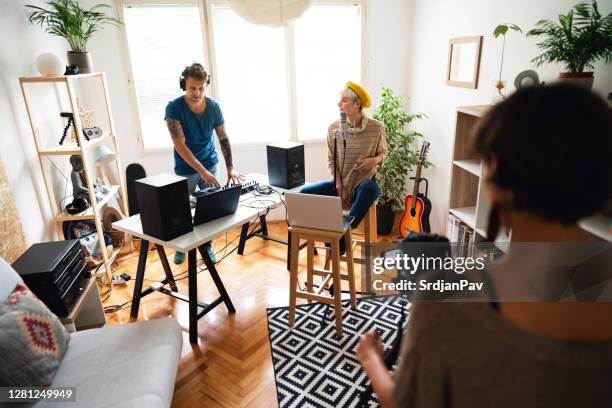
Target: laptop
[
  {"x": 316, "y": 211},
  {"x": 216, "y": 204}
]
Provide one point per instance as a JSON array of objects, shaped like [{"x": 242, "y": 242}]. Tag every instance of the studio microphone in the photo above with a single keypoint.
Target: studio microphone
[{"x": 344, "y": 129}]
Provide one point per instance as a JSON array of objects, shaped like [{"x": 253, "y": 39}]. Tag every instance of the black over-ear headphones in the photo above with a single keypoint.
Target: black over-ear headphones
[{"x": 182, "y": 82}]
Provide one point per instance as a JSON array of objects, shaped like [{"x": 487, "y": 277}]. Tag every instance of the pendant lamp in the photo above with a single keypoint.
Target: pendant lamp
[{"x": 271, "y": 13}]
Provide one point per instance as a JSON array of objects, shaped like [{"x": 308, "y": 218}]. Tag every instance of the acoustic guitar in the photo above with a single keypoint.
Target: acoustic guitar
[{"x": 418, "y": 207}]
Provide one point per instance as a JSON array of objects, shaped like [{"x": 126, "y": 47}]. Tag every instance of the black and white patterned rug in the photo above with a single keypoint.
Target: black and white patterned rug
[{"x": 314, "y": 369}]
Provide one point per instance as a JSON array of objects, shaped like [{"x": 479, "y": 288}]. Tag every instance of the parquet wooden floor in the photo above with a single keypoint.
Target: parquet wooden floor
[{"x": 232, "y": 365}]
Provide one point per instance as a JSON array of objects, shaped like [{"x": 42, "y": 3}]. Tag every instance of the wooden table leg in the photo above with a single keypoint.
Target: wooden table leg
[
  {"x": 289, "y": 249},
  {"x": 293, "y": 277},
  {"x": 164, "y": 260},
  {"x": 193, "y": 296},
  {"x": 216, "y": 279},
  {"x": 142, "y": 262}
]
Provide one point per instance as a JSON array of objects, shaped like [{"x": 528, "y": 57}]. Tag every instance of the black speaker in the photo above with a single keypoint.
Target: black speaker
[
  {"x": 286, "y": 164},
  {"x": 163, "y": 201}
]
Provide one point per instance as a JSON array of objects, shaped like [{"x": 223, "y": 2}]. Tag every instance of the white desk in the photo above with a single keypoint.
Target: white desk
[{"x": 195, "y": 240}]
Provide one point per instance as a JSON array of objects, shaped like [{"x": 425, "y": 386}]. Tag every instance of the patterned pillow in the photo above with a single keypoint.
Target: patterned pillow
[{"x": 32, "y": 340}]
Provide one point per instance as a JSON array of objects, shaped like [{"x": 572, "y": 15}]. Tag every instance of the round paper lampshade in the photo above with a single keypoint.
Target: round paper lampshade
[
  {"x": 272, "y": 13},
  {"x": 49, "y": 64}
]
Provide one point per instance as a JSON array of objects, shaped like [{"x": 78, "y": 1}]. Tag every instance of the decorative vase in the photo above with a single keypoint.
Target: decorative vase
[
  {"x": 384, "y": 219},
  {"x": 583, "y": 79},
  {"x": 49, "y": 64},
  {"x": 82, "y": 60}
]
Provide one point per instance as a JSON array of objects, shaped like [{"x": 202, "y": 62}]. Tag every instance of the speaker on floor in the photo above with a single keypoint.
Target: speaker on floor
[
  {"x": 163, "y": 201},
  {"x": 286, "y": 164}
]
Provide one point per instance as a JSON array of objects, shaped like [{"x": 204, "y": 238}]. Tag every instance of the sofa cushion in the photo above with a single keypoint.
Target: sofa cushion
[
  {"x": 32, "y": 340},
  {"x": 129, "y": 365}
]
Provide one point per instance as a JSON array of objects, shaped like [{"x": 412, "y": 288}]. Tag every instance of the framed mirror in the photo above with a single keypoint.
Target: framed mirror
[{"x": 464, "y": 61}]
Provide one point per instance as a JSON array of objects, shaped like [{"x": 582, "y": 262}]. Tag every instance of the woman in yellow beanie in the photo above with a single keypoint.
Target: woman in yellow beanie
[{"x": 357, "y": 156}]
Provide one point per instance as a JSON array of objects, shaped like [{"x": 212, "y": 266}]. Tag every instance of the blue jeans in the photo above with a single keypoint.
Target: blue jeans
[
  {"x": 365, "y": 194},
  {"x": 195, "y": 179}
]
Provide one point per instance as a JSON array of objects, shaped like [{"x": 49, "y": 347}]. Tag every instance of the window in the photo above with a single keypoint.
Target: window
[
  {"x": 271, "y": 83},
  {"x": 252, "y": 78},
  {"x": 327, "y": 54},
  {"x": 161, "y": 41}
]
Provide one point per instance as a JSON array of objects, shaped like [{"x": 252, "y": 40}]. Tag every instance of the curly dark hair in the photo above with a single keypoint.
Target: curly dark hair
[
  {"x": 196, "y": 71},
  {"x": 553, "y": 147}
]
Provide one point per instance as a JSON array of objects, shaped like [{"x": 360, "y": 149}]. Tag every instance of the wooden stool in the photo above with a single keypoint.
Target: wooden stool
[
  {"x": 368, "y": 236},
  {"x": 334, "y": 276}
]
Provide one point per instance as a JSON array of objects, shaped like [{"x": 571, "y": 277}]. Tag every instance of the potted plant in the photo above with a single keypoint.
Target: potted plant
[
  {"x": 67, "y": 19},
  {"x": 402, "y": 156},
  {"x": 578, "y": 40},
  {"x": 502, "y": 29}
]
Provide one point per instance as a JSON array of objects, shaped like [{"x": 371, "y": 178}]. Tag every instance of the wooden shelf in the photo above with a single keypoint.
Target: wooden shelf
[
  {"x": 72, "y": 148},
  {"x": 465, "y": 214},
  {"x": 61, "y": 78},
  {"x": 89, "y": 213},
  {"x": 476, "y": 110},
  {"x": 473, "y": 166},
  {"x": 599, "y": 226}
]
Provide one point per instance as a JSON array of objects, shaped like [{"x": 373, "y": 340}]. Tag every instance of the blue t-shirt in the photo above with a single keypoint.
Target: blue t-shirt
[{"x": 198, "y": 130}]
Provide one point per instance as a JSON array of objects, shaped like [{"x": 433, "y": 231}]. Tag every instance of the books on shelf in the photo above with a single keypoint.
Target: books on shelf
[
  {"x": 462, "y": 235},
  {"x": 452, "y": 229}
]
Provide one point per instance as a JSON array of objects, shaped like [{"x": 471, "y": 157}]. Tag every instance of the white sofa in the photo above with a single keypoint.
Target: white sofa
[{"x": 130, "y": 365}]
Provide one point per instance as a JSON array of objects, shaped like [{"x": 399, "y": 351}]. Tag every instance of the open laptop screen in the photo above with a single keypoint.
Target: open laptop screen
[{"x": 216, "y": 204}]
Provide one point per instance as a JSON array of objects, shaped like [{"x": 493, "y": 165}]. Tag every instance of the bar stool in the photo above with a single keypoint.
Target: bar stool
[
  {"x": 368, "y": 236},
  {"x": 333, "y": 276}
]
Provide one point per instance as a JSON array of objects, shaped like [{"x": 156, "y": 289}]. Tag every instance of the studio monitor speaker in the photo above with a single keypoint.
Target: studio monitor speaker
[
  {"x": 286, "y": 164},
  {"x": 163, "y": 201}
]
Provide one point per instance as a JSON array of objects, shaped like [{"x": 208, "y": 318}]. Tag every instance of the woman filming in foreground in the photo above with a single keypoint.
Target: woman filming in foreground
[{"x": 547, "y": 153}]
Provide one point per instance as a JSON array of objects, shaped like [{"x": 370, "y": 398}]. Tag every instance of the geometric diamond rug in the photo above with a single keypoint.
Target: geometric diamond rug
[{"x": 314, "y": 369}]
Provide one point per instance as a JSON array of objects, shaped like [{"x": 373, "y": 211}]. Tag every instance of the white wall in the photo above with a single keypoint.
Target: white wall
[
  {"x": 433, "y": 23},
  {"x": 20, "y": 44}
]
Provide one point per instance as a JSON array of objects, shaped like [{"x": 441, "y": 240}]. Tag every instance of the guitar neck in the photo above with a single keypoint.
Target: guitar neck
[{"x": 415, "y": 189}]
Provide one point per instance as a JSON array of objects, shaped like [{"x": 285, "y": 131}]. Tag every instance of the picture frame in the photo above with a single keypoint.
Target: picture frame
[{"x": 464, "y": 61}]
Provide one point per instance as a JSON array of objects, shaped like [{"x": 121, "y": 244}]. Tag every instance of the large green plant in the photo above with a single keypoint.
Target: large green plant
[
  {"x": 403, "y": 152},
  {"x": 67, "y": 19},
  {"x": 578, "y": 40}
]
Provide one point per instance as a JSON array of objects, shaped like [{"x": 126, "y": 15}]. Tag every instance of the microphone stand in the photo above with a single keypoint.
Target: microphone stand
[{"x": 335, "y": 136}]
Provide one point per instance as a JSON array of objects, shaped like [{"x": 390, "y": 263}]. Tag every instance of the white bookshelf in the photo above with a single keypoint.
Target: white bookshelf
[{"x": 467, "y": 200}]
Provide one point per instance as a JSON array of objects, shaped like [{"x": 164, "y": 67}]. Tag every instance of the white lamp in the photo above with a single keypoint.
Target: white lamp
[
  {"x": 102, "y": 154},
  {"x": 272, "y": 13},
  {"x": 49, "y": 64}
]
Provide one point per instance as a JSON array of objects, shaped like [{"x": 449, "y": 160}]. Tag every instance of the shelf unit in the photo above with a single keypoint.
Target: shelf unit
[
  {"x": 468, "y": 201},
  {"x": 83, "y": 148}
]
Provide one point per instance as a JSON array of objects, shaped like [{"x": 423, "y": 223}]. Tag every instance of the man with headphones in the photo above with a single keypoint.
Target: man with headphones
[{"x": 191, "y": 120}]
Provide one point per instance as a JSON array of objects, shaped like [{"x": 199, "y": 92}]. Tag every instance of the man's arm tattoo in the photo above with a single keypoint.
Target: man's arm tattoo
[
  {"x": 226, "y": 149},
  {"x": 175, "y": 128}
]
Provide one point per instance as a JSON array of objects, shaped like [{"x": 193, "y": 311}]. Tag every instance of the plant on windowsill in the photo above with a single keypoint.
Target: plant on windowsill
[
  {"x": 67, "y": 19},
  {"x": 402, "y": 156},
  {"x": 580, "y": 38}
]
